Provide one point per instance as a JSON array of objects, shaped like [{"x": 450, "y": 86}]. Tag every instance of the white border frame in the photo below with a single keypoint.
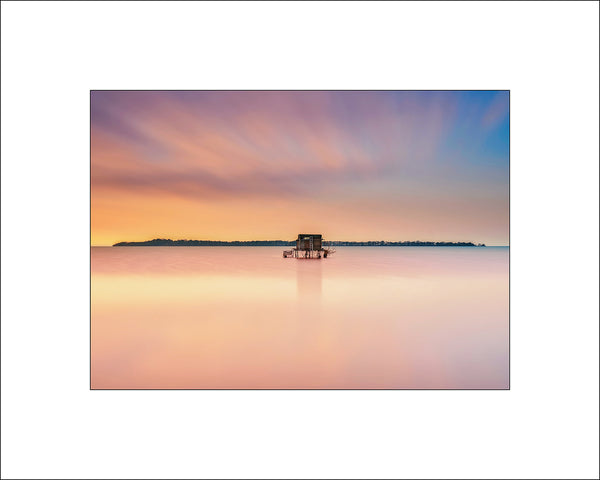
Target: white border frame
[{"x": 546, "y": 426}]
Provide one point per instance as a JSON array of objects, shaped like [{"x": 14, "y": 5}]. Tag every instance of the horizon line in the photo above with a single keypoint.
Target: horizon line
[
  {"x": 281, "y": 240},
  {"x": 280, "y": 245}
]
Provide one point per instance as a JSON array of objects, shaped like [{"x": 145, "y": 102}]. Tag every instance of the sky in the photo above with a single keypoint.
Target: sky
[{"x": 267, "y": 165}]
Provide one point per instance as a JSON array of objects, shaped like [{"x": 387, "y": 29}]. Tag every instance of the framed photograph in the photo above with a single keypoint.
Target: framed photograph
[{"x": 300, "y": 239}]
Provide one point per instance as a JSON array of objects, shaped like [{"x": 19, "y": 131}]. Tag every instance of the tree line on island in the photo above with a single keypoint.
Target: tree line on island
[{"x": 167, "y": 242}]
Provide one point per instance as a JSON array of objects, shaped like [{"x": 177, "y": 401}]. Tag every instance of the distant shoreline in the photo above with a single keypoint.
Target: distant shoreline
[{"x": 162, "y": 242}]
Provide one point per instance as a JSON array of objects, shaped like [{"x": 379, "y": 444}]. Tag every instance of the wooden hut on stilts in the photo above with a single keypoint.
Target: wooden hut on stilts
[{"x": 309, "y": 245}]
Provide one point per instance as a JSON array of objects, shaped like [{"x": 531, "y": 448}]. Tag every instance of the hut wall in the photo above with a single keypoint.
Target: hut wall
[{"x": 303, "y": 242}]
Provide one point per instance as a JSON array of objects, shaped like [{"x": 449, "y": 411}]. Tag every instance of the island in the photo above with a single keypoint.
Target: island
[{"x": 167, "y": 242}]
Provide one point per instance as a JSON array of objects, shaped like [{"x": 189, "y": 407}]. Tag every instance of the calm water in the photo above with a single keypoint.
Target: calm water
[{"x": 244, "y": 317}]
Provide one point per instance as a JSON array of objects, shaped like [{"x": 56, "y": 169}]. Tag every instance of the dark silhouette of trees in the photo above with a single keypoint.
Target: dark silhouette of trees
[{"x": 167, "y": 242}]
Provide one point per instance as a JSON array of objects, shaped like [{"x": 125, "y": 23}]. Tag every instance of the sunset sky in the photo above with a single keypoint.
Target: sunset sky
[{"x": 352, "y": 165}]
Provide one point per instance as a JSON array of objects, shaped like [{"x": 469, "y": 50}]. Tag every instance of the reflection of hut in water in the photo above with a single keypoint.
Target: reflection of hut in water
[
  {"x": 309, "y": 245},
  {"x": 309, "y": 280}
]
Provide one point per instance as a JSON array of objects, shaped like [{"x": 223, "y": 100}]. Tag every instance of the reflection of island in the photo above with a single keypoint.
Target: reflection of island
[{"x": 167, "y": 242}]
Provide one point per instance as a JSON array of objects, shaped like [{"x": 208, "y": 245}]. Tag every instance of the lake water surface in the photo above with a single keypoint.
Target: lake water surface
[{"x": 244, "y": 317}]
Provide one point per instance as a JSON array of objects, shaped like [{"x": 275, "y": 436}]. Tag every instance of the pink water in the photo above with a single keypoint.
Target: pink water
[{"x": 244, "y": 317}]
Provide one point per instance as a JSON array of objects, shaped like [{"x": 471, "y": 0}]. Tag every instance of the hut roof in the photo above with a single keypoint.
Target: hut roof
[{"x": 314, "y": 235}]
